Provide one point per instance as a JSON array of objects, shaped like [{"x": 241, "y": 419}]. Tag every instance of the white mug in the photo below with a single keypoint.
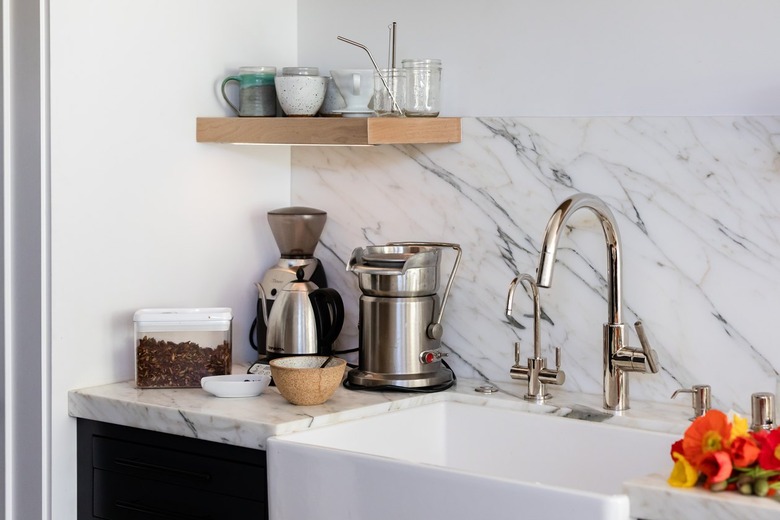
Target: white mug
[{"x": 357, "y": 89}]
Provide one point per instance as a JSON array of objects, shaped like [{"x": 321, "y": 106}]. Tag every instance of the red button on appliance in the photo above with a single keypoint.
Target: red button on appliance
[{"x": 427, "y": 357}]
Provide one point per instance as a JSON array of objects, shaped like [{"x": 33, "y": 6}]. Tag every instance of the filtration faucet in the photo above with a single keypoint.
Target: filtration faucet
[
  {"x": 535, "y": 372},
  {"x": 619, "y": 358}
]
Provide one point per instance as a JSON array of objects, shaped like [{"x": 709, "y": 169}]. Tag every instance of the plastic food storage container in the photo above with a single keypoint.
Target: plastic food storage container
[{"x": 175, "y": 348}]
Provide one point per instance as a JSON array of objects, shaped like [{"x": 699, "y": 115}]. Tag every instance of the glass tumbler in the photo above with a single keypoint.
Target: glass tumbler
[
  {"x": 423, "y": 87},
  {"x": 390, "y": 94}
]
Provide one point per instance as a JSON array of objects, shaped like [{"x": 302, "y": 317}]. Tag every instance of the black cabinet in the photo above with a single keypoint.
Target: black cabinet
[{"x": 132, "y": 474}]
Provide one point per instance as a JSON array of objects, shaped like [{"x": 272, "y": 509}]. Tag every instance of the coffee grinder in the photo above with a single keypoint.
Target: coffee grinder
[{"x": 296, "y": 231}]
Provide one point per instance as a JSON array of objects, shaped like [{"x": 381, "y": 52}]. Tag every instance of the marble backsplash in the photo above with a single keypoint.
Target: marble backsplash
[{"x": 696, "y": 204}]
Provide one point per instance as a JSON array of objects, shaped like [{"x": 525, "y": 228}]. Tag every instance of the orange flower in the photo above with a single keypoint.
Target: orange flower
[
  {"x": 744, "y": 451},
  {"x": 716, "y": 465},
  {"x": 709, "y": 433}
]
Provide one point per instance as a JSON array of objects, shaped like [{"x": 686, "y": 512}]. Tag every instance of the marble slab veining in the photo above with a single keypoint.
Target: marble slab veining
[{"x": 696, "y": 199}]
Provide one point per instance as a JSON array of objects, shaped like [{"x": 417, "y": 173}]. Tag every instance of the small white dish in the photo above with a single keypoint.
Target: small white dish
[{"x": 236, "y": 385}]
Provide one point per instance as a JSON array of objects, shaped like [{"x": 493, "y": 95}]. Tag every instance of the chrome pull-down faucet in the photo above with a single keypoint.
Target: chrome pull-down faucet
[{"x": 619, "y": 358}]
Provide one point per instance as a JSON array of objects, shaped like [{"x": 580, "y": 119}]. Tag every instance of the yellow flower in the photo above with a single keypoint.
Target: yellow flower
[
  {"x": 739, "y": 426},
  {"x": 683, "y": 474}
]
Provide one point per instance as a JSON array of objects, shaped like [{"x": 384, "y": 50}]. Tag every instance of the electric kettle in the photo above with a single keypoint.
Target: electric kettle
[{"x": 304, "y": 320}]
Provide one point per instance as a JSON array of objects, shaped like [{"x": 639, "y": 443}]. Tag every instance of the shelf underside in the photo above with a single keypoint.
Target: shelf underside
[{"x": 328, "y": 130}]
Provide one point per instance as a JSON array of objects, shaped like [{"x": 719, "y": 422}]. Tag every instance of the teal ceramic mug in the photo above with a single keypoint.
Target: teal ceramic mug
[{"x": 256, "y": 92}]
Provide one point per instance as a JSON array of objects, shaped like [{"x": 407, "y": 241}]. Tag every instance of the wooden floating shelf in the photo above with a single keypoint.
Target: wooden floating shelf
[{"x": 328, "y": 130}]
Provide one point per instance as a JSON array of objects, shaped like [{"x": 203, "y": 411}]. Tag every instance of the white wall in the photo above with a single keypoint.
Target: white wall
[
  {"x": 567, "y": 57},
  {"x": 142, "y": 215}
]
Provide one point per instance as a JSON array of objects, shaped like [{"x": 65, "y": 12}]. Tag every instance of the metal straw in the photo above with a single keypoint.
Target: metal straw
[
  {"x": 376, "y": 68},
  {"x": 391, "y": 49}
]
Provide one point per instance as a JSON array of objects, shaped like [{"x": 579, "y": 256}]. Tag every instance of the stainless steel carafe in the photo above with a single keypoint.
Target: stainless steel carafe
[{"x": 400, "y": 315}]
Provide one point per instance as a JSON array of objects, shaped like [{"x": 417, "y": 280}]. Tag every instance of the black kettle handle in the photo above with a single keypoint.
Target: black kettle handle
[{"x": 328, "y": 315}]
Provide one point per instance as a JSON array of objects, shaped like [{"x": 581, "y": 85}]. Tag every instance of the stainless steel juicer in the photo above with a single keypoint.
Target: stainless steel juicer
[{"x": 400, "y": 315}]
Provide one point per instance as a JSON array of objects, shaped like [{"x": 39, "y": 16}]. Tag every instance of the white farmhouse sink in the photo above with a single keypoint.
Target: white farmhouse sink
[{"x": 454, "y": 461}]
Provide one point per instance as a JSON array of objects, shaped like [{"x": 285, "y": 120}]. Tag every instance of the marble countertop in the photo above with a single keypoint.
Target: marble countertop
[
  {"x": 250, "y": 421},
  {"x": 651, "y": 498}
]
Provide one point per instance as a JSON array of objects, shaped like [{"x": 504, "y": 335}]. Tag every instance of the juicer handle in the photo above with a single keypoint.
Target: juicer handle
[
  {"x": 435, "y": 329},
  {"x": 328, "y": 316}
]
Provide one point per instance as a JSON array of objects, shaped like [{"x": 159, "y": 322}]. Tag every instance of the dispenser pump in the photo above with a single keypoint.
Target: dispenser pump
[{"x": 763, "y": 411}]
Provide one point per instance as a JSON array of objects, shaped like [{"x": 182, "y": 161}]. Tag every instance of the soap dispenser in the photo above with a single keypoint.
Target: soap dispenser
[
  {"x": 763, "y": 411},
  {"x": 700, "y": 399}
]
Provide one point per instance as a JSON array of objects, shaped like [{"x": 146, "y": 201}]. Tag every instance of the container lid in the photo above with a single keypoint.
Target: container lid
[{"x": 184, "y": 314}]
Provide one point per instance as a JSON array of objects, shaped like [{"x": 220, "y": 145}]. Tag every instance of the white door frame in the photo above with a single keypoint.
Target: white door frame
[{"x": 25, "y": 305}]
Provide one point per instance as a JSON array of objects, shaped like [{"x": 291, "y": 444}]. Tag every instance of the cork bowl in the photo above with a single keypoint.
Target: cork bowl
[{"x": 301, "y": 381}]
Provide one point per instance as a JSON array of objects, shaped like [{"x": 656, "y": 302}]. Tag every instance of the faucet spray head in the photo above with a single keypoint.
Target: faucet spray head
[{"x": 545, "y": 271}]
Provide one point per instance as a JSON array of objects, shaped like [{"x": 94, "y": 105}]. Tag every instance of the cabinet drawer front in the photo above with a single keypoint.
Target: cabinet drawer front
[
  {"x": 125, "y": 497},
  {"x": 182, "y": 468}
]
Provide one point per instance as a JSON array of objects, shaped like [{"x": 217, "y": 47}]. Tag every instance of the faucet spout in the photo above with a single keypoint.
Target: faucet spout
[
  {"x": 552, "y": 235},
  {"x": 619, "y": 358},
  {"x": 537, "y": 308}
]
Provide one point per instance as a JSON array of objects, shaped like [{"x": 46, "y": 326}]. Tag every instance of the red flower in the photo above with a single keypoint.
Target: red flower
[
  {"x": 769, "y": 458},
  {"x": 760, "y": 437},
  {"x": 744, "y": 451},
  {"x": 677, "y": 447},
  {"x": 709, "y": 433},
  {"x": 716, "y": 465}
]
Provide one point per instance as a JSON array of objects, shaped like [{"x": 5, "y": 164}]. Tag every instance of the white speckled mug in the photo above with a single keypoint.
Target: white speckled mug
[{"x": 301, "y": 96}]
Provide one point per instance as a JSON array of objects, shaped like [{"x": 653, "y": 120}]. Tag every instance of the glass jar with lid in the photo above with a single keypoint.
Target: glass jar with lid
[{"x": 423, "y": 87}]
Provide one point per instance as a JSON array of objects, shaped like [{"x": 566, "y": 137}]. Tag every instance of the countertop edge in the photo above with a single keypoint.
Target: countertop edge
[
  {"x": 248, "y": 422},
  {"x": 651, "y": 498}
]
